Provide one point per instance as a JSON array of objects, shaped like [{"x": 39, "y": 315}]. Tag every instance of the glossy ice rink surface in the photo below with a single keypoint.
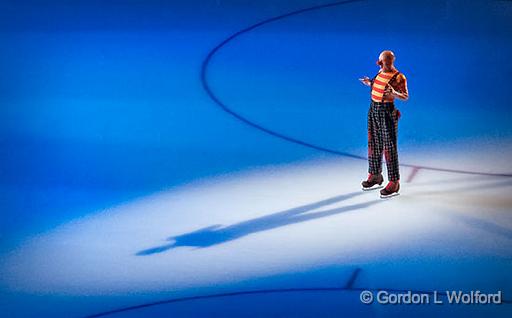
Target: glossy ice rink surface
[{"x": 126, "y": 183}]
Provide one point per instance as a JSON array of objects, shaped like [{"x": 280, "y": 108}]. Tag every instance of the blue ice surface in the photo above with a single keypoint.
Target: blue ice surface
[{"x": 101, "y": 101}]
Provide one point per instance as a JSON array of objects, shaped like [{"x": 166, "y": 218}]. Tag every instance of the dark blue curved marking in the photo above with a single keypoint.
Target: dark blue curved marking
[
  {"x": 225, "y": 108},
  {"x": 264, "y": 291}
]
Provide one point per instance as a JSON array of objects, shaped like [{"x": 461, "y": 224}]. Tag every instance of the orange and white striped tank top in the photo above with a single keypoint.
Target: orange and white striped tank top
[{"x": 379, "y": 84}]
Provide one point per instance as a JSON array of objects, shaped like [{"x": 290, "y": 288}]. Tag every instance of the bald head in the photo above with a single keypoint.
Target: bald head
[{"x": 386, "y": 59}]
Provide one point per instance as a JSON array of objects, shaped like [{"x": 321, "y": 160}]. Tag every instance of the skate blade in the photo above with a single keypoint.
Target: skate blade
[
  {"x": 375, "y": 187},
  {"x": 389, "y": 195}
]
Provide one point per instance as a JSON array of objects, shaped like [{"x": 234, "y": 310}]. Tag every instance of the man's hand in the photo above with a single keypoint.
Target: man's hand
[
  {"x": 366, "y": 81},
  {"x": 390, "y": 91}
]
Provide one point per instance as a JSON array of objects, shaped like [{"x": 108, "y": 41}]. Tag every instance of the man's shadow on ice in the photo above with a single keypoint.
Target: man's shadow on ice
[{"x": 218, "y": 234}]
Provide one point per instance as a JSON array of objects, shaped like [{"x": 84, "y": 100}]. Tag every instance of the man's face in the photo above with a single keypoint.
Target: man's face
[{"x": 386, "y": 59}]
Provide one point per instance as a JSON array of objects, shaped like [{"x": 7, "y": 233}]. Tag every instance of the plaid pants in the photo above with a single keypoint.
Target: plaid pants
[{"x": 382, "y": 137}]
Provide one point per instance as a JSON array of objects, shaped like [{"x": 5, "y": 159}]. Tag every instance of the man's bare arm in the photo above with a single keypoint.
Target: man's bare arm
[{"x": 400, "y": 91}]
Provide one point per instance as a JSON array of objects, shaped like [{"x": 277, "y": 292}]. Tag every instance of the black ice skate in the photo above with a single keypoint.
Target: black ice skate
[
  {"x": 390, "y": 190},
  {"x": 374, "y": 182}
]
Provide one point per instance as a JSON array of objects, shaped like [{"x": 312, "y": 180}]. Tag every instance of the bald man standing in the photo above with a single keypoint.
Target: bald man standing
[{"x": 383, "y": 117}]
